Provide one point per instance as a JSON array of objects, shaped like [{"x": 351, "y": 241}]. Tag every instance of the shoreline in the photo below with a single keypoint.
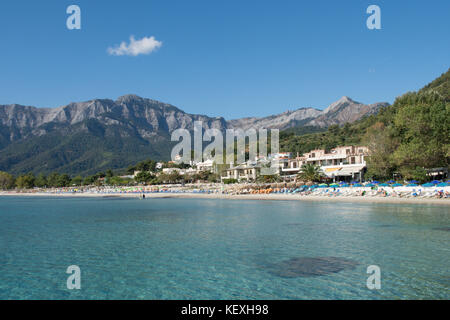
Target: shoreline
[{"x": 218, "y": 196}]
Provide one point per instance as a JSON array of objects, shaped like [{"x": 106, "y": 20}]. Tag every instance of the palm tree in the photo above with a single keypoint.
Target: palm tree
[{"x": 310, "y": 172}]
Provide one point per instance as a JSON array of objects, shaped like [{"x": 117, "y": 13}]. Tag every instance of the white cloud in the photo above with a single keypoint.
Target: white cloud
[{"x": 145, "y": 45}]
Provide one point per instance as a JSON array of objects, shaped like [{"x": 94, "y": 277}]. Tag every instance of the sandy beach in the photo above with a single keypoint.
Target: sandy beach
[{"x": 267, "y": 197}]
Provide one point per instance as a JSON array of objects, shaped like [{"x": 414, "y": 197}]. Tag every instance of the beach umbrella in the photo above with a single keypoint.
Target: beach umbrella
[
  {"x": 435, "y": 182},
  {"x": 334, "y": 185},
  {"x": 428, "y": 185},
  {"x": 443, "y": 184},
  {"x": 357, "y": 185},
  {"x": 323, "y": 185},
  {"x": 412, "y": 185},
  {"x": 413, "y": 181},
  {"x": 376, "y": 182},
  {"x": 345, "y": 185},
  {"x": 370, "y": 185},
  {"x": 397, "y": 185},
  {"x": 391, "y": 181},
  {"x": 383, "y": 185}
]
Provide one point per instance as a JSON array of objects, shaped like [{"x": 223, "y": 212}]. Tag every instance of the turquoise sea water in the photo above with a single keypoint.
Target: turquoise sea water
[{"x": 221, "y": 249}]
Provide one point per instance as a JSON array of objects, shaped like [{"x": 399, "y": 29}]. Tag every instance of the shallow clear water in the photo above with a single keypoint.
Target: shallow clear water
[{"x": 221, "y": 249}]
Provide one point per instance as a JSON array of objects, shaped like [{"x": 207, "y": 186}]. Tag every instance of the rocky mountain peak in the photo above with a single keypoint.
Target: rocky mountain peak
[
  {"x": 129, "y": 98},
  {"x": 344, "y": 101}
]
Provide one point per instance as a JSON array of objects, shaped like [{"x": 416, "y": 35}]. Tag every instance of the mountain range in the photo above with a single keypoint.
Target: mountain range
[{"x": 87, "y": 137}]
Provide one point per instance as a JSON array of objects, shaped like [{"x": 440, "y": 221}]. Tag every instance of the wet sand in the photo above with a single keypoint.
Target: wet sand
[{"x": 271, "y": 197}]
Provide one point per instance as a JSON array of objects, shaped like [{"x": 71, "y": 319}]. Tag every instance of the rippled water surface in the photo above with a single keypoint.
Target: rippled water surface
[{"x": 221, "y": 249}]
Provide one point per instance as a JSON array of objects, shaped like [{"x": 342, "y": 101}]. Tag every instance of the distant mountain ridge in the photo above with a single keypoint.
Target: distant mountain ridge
[
  {"x": 159, "y": 115},
  {"x": 148, "y": 116},
  {"x": 340, "y": 112},
  {"x": 86, "y": 137},
  {"x": 345, "y": 110}
]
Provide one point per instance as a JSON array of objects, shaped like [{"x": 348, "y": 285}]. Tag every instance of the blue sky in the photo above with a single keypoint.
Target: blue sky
[{"x": 228, "y": 58}]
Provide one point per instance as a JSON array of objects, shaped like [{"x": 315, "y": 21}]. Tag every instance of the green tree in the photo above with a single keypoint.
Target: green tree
[
  {"x": 310, "y": 172},
  {"x": 163, "y": 178},
  {"x": 6, "y": 181},
  {"x": 143, "y": 177},
  {"x": 201, "y": 176},
  {"x": 118, "y": 181},
  {"x": 89, "y": 181},
  {"x": 146, "y": 165},
  {"x": 63, "y": 181},
  {"x": 41, "y": 181},
  {"x": 230, "y": 181},
  {"x": 25, "y": 181},
  {"x": 77, "y": 181},
  {"x": 212, "y": 177},
  {"x": 100, "y": 175},
  {"x": 422, "y": 124},
  {"x": 417, "y": 173},
  {"x": 174, "y": 177},
  {"x": 53, "y": 179},
  {"x": 381, "y": 144}
]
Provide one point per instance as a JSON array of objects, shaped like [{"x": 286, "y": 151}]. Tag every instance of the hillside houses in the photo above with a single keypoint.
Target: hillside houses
[{"x": 344, "y": 163}]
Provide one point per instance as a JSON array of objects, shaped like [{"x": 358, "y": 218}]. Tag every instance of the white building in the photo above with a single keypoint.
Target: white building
[
  {"x": 342, "y": 163},
  {"x": 247, "y": 171},
  {"x": 182, "y": 172},
  {"x": 207, "y": 165}
]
